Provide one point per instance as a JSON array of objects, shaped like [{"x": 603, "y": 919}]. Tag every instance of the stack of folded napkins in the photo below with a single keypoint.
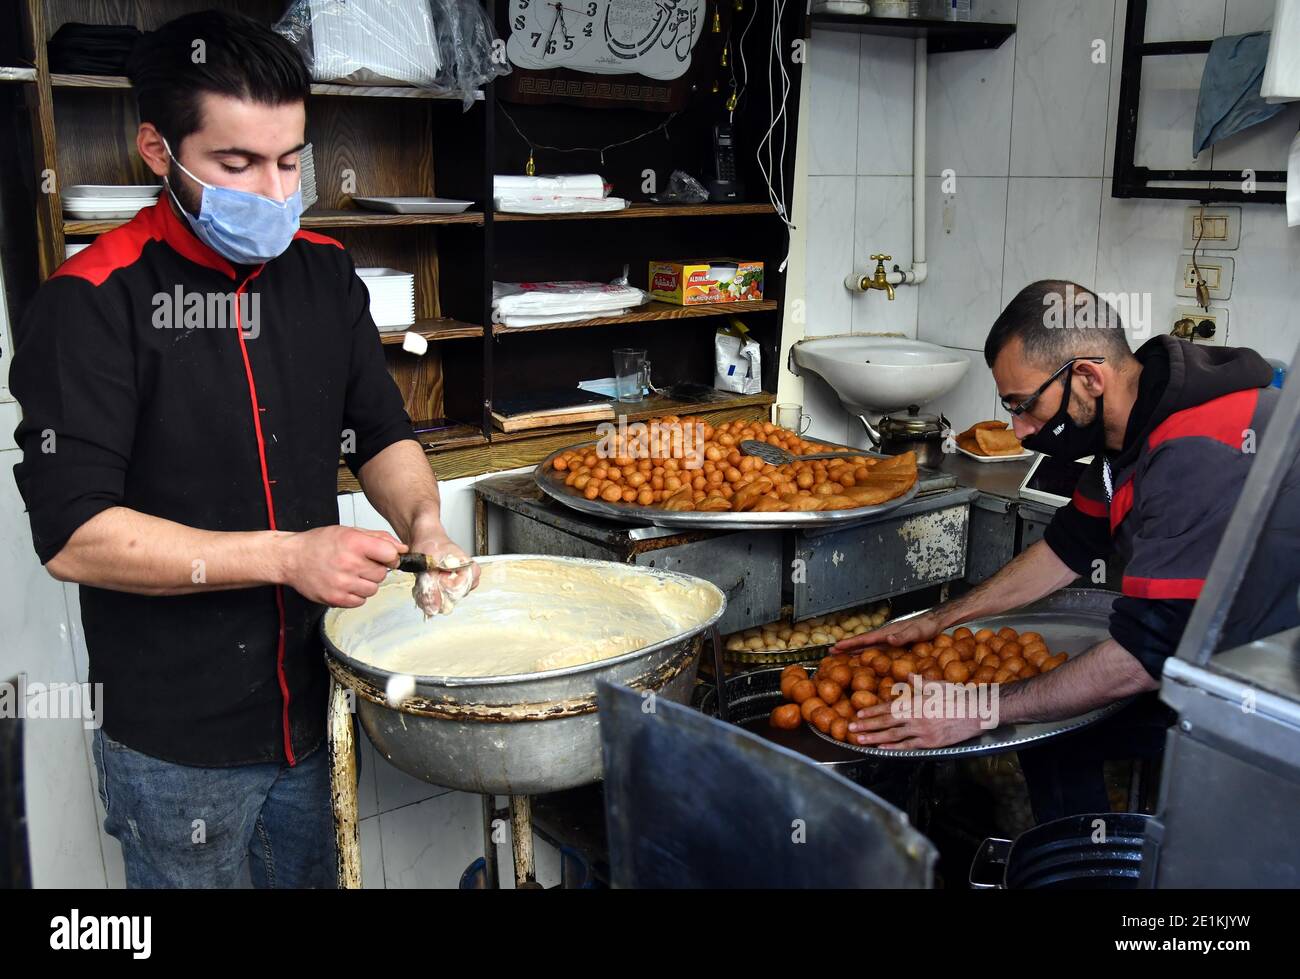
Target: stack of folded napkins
[
  {"x": 538, "y": 303},
  {"x": 577, "y": 194}
]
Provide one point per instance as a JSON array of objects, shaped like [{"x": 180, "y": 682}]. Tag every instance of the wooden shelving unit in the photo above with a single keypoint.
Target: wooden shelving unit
[
  {"x": 442, "y": 329},
  {"x": 649, "y": 313},
  {"x": 642, "y": 211},
  {"x": 63, "y": 80},
  {"x": 942, "y": 35},
  {"x": 405, "y": 141}
]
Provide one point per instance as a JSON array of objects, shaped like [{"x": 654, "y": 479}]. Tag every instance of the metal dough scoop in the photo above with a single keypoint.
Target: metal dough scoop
[{"x": 777, "y": 456}]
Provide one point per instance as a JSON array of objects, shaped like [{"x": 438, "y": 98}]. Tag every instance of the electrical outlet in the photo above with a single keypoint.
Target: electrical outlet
[
  {"x": 1216, "y": 270},
  {"x": 1217, "y": 315},
  {"x": 1219, "y": 228}
]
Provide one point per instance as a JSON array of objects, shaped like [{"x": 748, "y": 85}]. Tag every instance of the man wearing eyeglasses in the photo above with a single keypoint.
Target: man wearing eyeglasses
[{"x": 1172, "y": 429}]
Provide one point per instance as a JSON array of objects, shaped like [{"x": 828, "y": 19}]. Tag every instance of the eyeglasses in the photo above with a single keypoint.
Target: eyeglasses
[{"x": 1025, "y": 404}]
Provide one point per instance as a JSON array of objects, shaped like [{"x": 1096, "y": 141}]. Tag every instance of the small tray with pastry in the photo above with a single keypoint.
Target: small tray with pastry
[{"x": 991, "y": 441}]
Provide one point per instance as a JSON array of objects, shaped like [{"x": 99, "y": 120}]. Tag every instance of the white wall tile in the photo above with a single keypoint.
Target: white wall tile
[
  {"x": 347, "y": 512},
  {"x": 1058, "y": 126},
  {"x": 1052, "y": 226},
  {"x": 372, "y": 853},
  {"x": 1138, "y": 253},
  {"x": 968, "y": 112},
  {"x": 1167, "y": 113},
  {"x": 831, "y": 203},
  {"x": 1265, "y": 300},
  {"x": 973, "y": 400},
  {"x": 833, "y": 62},
  {"x": 367, "y": 775},
  {"x": 62, "y": 833},
  {"x": 966, "y": 231},
  {"x": 432, "y": 843},
  {"x": 10, "y": 415},
  {"x": 1183, "y": 20},
  {"x": 1262, "y": 147},
  {"x": 885, "y": 106},
  {"x": 883, "y": 227},
  {"x": 1244, "y": 16}
]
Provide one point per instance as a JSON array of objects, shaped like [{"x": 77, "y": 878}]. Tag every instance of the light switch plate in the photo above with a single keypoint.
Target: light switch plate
[
  {"x": 1216, "y": 270},
  {"x": 1222, "y": 228},
  {"x": 1216, "y": 314}
]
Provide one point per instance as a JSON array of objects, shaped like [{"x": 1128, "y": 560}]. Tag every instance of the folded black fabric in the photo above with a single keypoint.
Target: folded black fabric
[{"x": 92, "y": 49}]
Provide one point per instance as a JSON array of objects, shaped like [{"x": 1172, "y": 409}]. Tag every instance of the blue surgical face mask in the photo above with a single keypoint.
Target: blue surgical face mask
[{"x": 243, "y": 227}]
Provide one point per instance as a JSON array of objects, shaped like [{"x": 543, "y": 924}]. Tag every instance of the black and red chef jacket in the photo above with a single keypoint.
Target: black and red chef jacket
[
  {"x": 1200, "y": 419},
  {"x": 154, "y": 375}
]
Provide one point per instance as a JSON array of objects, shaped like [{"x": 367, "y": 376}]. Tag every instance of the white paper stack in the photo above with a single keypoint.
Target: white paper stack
[
  {"x": 104, "y": 202},
  {"x": 575, "y": 194},
  {"x": 538, "y": 303},
  {"x": 392, "y": 298}
]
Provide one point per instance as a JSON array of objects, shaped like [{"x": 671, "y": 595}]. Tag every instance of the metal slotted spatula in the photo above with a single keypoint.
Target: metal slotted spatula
[{"x": 778, "y": 456}]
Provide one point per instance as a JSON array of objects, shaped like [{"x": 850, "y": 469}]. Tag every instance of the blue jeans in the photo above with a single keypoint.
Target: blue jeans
[{"x": 184, "y": 826}]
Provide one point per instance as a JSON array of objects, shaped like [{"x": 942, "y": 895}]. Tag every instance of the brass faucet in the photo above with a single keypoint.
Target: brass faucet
[{"x": 879, "y": 282}]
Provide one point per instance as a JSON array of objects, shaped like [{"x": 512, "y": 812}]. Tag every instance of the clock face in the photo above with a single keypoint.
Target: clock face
[{"x": 654, "y": 38}]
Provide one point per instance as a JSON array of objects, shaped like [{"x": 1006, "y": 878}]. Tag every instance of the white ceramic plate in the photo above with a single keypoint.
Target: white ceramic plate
[{"x": 1016, "y": 458}]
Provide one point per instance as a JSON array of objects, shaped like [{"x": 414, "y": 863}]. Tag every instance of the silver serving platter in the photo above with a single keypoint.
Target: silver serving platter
[
  {"x": 554, "y": 487},
  {"x": 1070, "y": 621}
]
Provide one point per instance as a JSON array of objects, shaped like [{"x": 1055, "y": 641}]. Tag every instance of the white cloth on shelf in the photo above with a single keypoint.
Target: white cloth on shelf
[
  {"x": 1281, "y": 82},
  {"x": 559, "y": 318},
  {"x": 550, "y": 298},
  {"x": 558, "y": 205}
]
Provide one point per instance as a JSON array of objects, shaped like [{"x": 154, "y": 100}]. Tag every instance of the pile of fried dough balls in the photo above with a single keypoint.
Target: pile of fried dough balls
[
  {"x": 818, "y": 631},
  {"x": 843, "y": 685},
  {"x": 729, "y": 481}
]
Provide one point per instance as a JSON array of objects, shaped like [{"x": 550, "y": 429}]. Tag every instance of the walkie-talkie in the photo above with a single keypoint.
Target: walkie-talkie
[{"x": 724, "y": 184}]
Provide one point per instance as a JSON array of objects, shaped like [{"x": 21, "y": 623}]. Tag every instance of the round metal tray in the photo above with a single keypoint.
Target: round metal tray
[
  {"x": 554, "y": 487},
  {"x": 1071, "y": 621}
]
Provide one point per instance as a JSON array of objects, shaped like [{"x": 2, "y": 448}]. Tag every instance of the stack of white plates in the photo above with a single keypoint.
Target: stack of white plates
[
  {"x": 307, "y": 176},
  {"x": 392, "y": 297},
  {"x": 102, "y": 202}
]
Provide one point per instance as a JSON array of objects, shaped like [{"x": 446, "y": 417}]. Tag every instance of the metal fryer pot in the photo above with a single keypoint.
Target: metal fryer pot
[{"x": 522, "y": 734}]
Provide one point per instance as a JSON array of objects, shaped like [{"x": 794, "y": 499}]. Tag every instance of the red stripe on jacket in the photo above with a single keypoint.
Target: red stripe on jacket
[
  {"x": 1088, "y": 507},
  {"x": 1187, "y": 588},
  {"x": 1224, "y": 419}
]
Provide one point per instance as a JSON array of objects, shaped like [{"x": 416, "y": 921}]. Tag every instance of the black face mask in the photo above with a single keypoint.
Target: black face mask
[{"x": 1064, "y": 438}]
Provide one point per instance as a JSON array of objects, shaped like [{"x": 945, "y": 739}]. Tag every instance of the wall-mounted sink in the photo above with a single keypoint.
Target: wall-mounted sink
[{"x": 874, "y": 374}]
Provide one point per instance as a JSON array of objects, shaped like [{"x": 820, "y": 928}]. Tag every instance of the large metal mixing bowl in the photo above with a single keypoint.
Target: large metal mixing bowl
[{"x": 513, "y": 735}]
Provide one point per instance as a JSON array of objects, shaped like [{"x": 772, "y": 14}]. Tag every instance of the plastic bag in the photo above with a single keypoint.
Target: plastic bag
[
  {"x": 682, "y": 189},
  {"x": 737, "y": 362},
  {"x": 443, "y": 46}
]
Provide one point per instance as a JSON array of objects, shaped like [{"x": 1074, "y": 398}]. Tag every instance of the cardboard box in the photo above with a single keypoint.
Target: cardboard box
[{"x": 701, "y": 281}]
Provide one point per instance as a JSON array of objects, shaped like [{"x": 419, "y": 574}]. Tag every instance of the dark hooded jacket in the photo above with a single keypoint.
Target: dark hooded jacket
[{"x": 1200, "y": 418}]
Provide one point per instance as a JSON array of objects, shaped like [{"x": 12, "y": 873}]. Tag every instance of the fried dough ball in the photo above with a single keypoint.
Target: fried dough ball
[
  {"x": 802, "y": 691},
  {"x": 863, "y": 699},
  {"x": 957, "y": 672},
  {"x": 843, "y": 675},
  {"x": 943, "y": 640},
  {"x": 840, "y": 729},
  {"x": 786, "y": 717},
  {"x": 823, "y": 718},
  {"x": 902, "y": 668},
  {"x": 962, "y": 633},
  {"x": 947, "y": 656},
  {"x": 1008, "y": 633},
  {"x": 843, "y": 707},
  {"x": 829, "y": 691},
  {"x": 863, "y": 680},
  {"x": 1052, "y": 662},
  {"x": 810, "y": 706},
  {"x": 984, "y": 635}
]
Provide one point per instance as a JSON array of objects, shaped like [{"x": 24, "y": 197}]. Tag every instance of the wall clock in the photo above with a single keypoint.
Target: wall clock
[{"x": 641, "y": 42}]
